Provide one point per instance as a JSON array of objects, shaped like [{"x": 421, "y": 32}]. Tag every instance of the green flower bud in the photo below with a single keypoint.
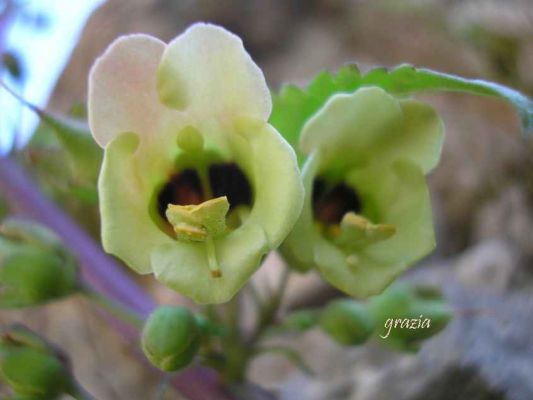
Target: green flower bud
[
  {"x": 347, "y": 322},
  {"x": 171, "y": 338},
  {"x": 31, "y": 367},
  {"x": 406, "y": 315},
  {"x": 34, "y": 267}
]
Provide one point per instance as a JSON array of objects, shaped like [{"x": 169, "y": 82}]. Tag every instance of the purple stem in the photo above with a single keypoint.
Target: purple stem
[{"x": 99, "y": 270}]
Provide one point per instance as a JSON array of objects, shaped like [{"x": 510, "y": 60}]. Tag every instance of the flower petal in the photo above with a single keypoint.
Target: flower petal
[
  {"x": 278, "y": 189},
  {"x": 184, "y": 266},
  {"x": 122, "y": 89},
  {"x": 297, "y": 247},
  {"x": 206, "y": 70},
  {"x": 402, "y": 199},
  {"x": 349, "y": 124},
  {"x": 128, "y": 231},
  {"x": 419, "y": 139}
]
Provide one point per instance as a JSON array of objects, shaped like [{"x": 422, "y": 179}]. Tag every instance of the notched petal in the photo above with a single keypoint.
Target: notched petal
[{"x": 207, "y": 71}]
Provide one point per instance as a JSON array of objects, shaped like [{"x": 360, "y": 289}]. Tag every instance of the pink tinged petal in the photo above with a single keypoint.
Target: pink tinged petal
[
  {"x": 122, "y": 89},
  {"x": 207, "y": 71}
]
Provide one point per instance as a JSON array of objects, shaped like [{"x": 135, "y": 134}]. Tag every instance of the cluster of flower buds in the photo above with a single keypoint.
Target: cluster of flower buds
[
  {"x": 402, "y": 317},
  {"x": 34, "y": 265},
  {"x": 31, "y": 367}
]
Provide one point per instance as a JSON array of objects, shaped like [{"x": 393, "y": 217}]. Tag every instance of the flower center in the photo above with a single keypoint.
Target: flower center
[
  {"x": 332, "y": 201},
  {"x": 192, "y": 187},
  {"x": 187, "y": 187},
  {"x": 228, "y": 180},
  {"x": 338, "y": 207},
  {"x": 203, "y": 203}
]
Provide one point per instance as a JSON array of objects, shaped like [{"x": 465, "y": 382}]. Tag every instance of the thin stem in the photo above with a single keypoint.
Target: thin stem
[
  {"x": 163, "y": 387},
  {"x": 114, "y": 308},
  {"x": 268, "y": 315},
  {"x": 292, "y": 355},
  {"x": 256, "y": 297},
  {"x": 240, "y": 351},
  {"x": 80, "y": 393}
]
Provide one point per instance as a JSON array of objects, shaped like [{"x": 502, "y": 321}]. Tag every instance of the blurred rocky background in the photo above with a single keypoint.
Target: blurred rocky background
[{"x": 482, "y": 192}]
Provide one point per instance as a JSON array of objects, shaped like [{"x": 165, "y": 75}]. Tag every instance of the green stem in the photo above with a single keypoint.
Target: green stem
[
  {"x": 117, "y": 310},
  {"x": 234, "y": 348},
  {"x": 240, "y": 351}
]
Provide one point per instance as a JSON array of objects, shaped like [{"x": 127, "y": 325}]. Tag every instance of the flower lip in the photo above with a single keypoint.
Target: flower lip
[{"x": 332, "y": 201}]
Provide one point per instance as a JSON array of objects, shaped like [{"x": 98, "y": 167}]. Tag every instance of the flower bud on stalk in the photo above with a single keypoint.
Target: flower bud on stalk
[
  {"x": 31, "y": 367},
  {"x": 347, "y": 322},
  {"x": 34, "y": 266},
  {"x": 171, "y": 338}
]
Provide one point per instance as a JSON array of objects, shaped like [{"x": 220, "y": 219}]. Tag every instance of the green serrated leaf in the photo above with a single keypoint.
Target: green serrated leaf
[{"x": 293, "y": 106}]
